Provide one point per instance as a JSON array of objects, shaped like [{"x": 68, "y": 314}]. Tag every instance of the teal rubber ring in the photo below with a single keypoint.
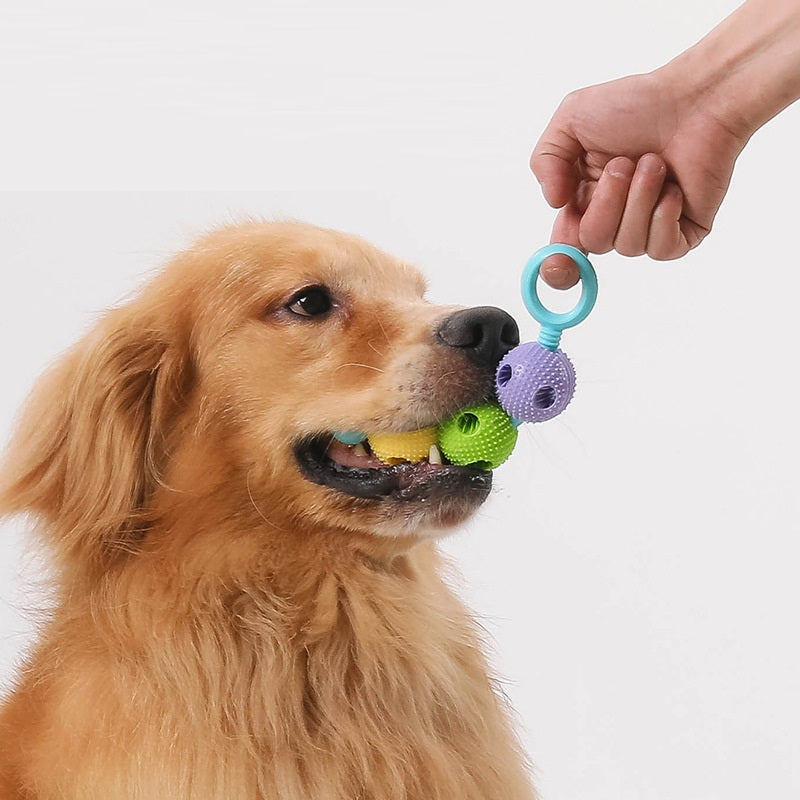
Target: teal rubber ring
[
  {"x": 549, "y": 319},
  {"x": 349, "y": 437}
]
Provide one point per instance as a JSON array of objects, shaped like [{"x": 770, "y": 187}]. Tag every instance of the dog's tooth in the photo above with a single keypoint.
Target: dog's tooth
[
  {"x": 359, "y": 450},
  {"x": 435, "y": 456}
]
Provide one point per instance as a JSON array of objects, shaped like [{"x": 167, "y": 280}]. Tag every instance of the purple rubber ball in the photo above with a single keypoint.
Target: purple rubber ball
[{"x": 535, "y": 384}]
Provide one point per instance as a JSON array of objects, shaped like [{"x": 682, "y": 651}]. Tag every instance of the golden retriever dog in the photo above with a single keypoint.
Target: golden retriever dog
[{"x": 245, "y": 608}]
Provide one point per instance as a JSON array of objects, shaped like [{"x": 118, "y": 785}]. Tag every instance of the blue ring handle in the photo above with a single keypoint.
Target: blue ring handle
[
  {"x": 552, "y": 323},
  {"x": 349, "y": 437}
]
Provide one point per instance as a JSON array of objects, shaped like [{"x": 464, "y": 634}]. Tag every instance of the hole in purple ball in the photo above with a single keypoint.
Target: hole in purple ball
[
  {"x": 544, "y": 397},
  {"x": 468, "y": 424},
  {"x": 504, "y": 374}
]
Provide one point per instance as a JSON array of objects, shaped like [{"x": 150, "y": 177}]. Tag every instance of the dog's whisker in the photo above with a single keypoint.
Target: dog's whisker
[
  {"x": 383, "y": 331},
  {"x": 356, "y": 364},
  {"x": 375, "y": 349},
  {"x": 255, "y": 505}
]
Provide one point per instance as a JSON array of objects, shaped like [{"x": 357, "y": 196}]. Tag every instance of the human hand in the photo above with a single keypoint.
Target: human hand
[{"x": 638, "y": 165}]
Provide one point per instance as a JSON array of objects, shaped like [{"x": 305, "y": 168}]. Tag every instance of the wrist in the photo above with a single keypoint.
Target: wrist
[
  {"x": 696, "y": 88},
  {"x": 744, "y": 71}
]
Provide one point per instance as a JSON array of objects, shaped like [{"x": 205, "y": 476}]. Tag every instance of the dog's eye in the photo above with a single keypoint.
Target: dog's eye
[{"x": 311, "y": 302}]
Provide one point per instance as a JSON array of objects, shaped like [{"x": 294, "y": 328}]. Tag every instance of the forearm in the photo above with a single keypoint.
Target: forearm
[{"x": 745, "y": 70}]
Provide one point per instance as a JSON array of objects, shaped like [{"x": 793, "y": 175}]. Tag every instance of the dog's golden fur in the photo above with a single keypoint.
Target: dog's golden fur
[{"x": 222, "y": 627}]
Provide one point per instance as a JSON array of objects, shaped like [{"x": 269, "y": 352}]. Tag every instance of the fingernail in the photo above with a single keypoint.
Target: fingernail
[
  {"x": 559, "y": 275},
  {"x": 620, "y": 167},
  {"x": 651, "y": 163}
]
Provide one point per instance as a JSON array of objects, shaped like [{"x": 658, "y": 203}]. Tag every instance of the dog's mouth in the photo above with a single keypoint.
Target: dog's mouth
[{"x": 356, "y": 471}]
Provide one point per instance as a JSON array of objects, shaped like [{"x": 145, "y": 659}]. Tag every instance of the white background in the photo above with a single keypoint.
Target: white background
[{"x": 637, "y": 563}]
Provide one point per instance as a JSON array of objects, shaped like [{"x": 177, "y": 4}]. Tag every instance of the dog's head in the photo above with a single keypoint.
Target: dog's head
[{"x": 220, "y": 384}]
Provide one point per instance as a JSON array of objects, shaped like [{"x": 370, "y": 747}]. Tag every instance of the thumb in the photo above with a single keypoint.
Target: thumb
[{"x": 560, "y": 271}]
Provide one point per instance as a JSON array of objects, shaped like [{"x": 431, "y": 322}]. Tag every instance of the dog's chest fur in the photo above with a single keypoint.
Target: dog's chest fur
[{"x": 362, "y": 683}]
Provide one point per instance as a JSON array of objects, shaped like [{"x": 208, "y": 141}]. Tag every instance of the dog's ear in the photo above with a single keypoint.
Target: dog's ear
[{"x": 91, "y": 444}]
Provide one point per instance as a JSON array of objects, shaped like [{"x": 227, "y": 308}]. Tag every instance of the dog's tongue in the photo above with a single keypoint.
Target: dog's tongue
[{"x": 354, "y": 457}]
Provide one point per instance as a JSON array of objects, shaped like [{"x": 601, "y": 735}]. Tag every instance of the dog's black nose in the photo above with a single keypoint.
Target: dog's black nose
[{"x": 484, "y": 334}]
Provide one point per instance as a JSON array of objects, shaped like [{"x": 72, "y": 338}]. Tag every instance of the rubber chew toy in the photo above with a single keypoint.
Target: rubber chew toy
[
  {"x": 535, "y": 380},
  {"x": 411, "y": 446},
  {"x": 480, "y": 436}
]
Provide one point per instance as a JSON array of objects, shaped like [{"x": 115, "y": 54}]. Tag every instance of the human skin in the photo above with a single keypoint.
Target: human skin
[{"x": 641, "y": 164}]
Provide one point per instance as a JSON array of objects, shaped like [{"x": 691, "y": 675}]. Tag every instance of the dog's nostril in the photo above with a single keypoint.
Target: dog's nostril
[{"x": 456, "y": 334}]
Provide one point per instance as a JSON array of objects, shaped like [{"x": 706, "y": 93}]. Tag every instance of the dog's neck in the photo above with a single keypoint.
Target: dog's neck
[{"x": 372, "y": 665}]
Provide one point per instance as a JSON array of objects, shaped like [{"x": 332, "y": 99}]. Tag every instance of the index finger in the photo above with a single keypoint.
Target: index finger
[{"x": 554, "y": 161}]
